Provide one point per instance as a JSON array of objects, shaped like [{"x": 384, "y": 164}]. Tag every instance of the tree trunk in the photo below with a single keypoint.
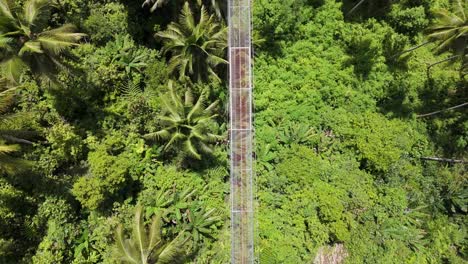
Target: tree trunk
[
  {"x": 439, "y": 62},
  {"x": 355, "y": 7},
  {"x": 443, "y": 110},
  {"x": 411, "y": 49},
  {"x": 444, "y": 160}
]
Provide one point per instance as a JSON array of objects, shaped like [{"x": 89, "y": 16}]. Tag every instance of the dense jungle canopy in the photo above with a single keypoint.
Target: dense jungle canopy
[{"x": 114, "y": 142}]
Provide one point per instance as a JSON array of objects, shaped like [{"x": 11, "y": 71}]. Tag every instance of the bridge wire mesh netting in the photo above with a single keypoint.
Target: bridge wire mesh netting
[{"x": 241, "y": 132}]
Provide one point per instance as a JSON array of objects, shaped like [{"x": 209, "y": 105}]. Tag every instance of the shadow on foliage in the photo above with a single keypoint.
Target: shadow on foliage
[
  {"x": 363, "y": 9},
  {"x": 363, "y": 56},
  {"x": 143, "y": 24}
]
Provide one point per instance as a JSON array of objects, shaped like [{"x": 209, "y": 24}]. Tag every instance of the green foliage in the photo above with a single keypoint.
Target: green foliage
[
  {"x": 57, "y": 215},
  {"x": 110, "y": 167},
  {"x": 64, "y": 147},
  {"x": 450, "y": 33},
  {"x": 26, "y": 40},
  {"x": 408, "y": 21},
  {"x": 96, "y": 239},
  {"x": 280, "y": 20},
  {"x": 8, "y": 163},
  {"x": 196, "y": 45},
  {"x": 187, "y": 125},
  {"x": 106, "y": 21},
  {"x": 111, "y": 65},
  {"x": 377, "y": 142},
  {"x": 338, "y": 138},
  {"x": 149, "y": 246},
  {"x": 320, "y": 199},
  {"x": 449, "y": 30}
]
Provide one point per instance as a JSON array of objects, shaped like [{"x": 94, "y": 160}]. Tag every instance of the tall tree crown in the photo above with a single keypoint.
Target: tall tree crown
[{"x": 27, "y": 42}]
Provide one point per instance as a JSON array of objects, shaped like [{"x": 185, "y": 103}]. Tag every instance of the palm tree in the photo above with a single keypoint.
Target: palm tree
[
  {"x": 148, "y": 246},
  {"x": 196, "y": 48},
  {"x": 8, "y": 164},
  {"x": 25, "y": 41},
  {"x": 189, "y": 125},
  {"x": 450, "y": 29},
  {"x": 450, "y": 32}
]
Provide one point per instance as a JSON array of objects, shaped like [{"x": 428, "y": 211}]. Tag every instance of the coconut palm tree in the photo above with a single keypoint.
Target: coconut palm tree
[
  {"x": 148, "y": 246},
  {"x": 186, "y": 124},
  {"x": 27, "y": 43},
  {"x": 9, "y": 138},
  {"x": 450, "y": 32},
  {"x": 196, "y": 48}
]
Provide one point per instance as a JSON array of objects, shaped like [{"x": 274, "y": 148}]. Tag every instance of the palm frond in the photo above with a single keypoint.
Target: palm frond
[
  {"x": 186, "y": 17},
  {"x": 212, "y": 107},
  {"x": 214, "y": 138},
  {"x": 205, "y": 148},
  {"x": 66, "y": 33},
  {"x": 186, "y": 124},
  {"x": 205, "y": 19},
  {"x": 139, "y": 233},
  {"x": 177, "y": 136},
  {"x": 190, "y": 42},
  {"x": 155, "y": 4},
  {"x": 6, "y": 100},
  {"x": 188, "y": 98},
  {"x": 155, "y": 232},
  {"x": 11, "y": 165},
  {"x": 13, "y": 68},
  {"x": 173, "y": 252},
  {"x": 6, "y": 149},
  {"x": 31, "y": 47},
  {"x": 162, "y": 134},
  {"x": 5, "y": 42},
  {"x": 214, "y": 75},
  {"x": 34, "y": 9},
  {"x": 123, "y": 247},
  {"x": 460, "y": 9},
  {"x": 199, "y": 105},
  {"x": 57, "y": 40},
  {"x": 191, "y": 150},
  {"x": 40, "y": 53},
  {"x": 175, "y": 110},
  {"x": 449, "y": 29},
  {"x": 144, "y": 247},
  {"x": 7, "y": 21}
]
